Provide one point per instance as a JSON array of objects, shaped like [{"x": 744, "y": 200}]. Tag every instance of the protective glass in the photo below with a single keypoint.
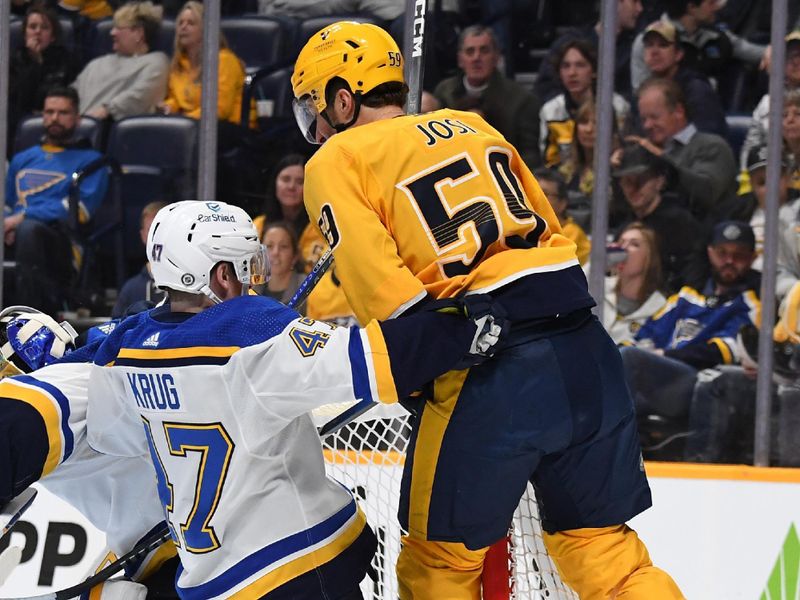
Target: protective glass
[{"x": 305, "y": 113}]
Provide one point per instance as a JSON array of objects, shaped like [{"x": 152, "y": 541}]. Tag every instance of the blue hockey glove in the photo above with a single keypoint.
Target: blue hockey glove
[{"x": 490, "y": 318}]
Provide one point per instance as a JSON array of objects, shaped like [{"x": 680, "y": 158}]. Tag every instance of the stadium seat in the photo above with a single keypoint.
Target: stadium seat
[
  {"x": 30, "y": 132},
  {"x": 157, "y": 157},
  {"x": 272, "y": 91},
  {"x": 101, "y": 42},
  {"x": 737, "y": 131},
  {"x": 261, "y": 42}
]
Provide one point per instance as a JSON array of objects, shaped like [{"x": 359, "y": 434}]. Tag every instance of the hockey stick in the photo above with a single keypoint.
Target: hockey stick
[
  {"x": 13, "y": 510},
  {"x": 414, "y": 52},
  {"x": 150, "y": 543},
  {"x": 312, "y": 279}
]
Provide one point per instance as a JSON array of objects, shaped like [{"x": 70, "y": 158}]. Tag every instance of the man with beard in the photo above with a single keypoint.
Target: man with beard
[
  {"x": 696, "y": 329},
  {"x": 37, "y": 190}
]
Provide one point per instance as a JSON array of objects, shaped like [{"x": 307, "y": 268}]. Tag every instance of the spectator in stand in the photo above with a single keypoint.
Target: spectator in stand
[
  {"x": 506, "y": 105},
  {"x": 696, "y": 329},
  {"x": 42, "y": 62},
  {"x": 723, "y": 405},
  {"x": 707, "y": 47},
  {"x": 548, "y": 82},
  {"x": 184, "y": 88},
  {"x": 702, "y": 165},
  {"x": 750, "y": 207},
  {"x": 641, "y": 177},
  {"x": 578, "y": 169},
  {"x": 791, "y": 133},
  {"x": 789, "y": 242},
  {"x": 577, "y": 69},
  {"x": 555, "y": 189},
  {"x": 131, "y": 80},
  {"x": 284, "y": 200},
  {"x": 662, "y": 55},
  {"x": 140, "y": 286},
  {"x": 281, "y": 243},
  {"x": 757, "y": 133},
  {"x": 37, "y": 188},
  {"x": 633, "y": 291}
]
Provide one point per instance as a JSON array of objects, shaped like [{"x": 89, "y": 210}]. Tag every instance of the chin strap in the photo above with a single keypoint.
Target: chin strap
[{"x": 344, "y": 126}]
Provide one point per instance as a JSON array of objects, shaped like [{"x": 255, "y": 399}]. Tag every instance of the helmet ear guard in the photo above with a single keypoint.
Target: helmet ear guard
[{"x": 30, "y": 340}]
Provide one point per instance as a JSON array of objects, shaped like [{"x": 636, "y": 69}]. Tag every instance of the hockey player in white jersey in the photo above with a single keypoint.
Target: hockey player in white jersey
[
  {"x": 217, "y": 387},
  {"x": 43, "y": 401}
]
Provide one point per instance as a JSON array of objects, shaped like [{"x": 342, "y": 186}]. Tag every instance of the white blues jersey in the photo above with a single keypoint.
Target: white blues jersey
[{"x": 220, "y": 400}]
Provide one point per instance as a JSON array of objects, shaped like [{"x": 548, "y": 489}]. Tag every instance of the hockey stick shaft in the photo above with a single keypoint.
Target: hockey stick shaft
[
  {"x": 414, "y": 53},
  {"x": 147, "y": 545},
  {"x": 14, "y": 510},
  {"x": 311, "y": 280}
]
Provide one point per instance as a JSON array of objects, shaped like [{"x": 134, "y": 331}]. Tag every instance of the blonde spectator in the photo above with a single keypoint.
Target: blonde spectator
[
  {"x": 281, "y": 243},
  {"x": 632, "y": 292},
  {"x": 184, "y": 89},
  {"x": 555, "y": 189},
  {"x": 577, "y": 69},
  {"x": 132, "y": 79}
]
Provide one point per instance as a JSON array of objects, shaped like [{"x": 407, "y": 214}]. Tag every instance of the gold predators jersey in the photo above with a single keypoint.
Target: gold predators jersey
[{"x": 430, "y": 205}]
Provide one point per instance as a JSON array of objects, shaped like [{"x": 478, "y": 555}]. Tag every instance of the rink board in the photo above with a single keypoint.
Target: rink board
[{"x": 718, "y": 530}]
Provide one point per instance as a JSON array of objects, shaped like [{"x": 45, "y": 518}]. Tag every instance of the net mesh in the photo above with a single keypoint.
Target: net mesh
[{"x": 368, "y": 456}]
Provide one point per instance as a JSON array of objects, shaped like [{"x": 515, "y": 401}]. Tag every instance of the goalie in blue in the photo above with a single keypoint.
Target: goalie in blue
[{"x": 216, "y": 388}]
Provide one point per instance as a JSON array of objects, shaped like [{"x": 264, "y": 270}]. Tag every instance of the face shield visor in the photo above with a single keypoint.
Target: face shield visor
[
  {"x": 305, "y": 113},
  {"x": 258, "y": 270}
]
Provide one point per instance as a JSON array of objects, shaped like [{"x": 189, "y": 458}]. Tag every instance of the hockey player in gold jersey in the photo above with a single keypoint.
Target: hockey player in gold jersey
[{"x": 432, "y": 206}]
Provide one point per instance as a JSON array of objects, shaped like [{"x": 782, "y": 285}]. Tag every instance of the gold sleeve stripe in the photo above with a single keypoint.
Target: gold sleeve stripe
[
  {"x": 190, "y": 352},
  {"x": 727, "y": 355},
  {"x": 387, "y": 391}
]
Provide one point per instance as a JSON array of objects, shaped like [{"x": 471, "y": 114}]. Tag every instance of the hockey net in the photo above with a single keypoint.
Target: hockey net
[{"x": 368, "y": 455}]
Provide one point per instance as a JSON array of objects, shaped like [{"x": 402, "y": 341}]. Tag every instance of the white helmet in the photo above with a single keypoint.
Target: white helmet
[
  {"x": 30, "y": 340},
  {"x": 188, "y": 238}
]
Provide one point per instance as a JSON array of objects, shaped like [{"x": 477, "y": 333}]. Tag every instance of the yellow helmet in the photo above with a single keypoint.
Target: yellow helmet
[{"x": 362, "y": 54}]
